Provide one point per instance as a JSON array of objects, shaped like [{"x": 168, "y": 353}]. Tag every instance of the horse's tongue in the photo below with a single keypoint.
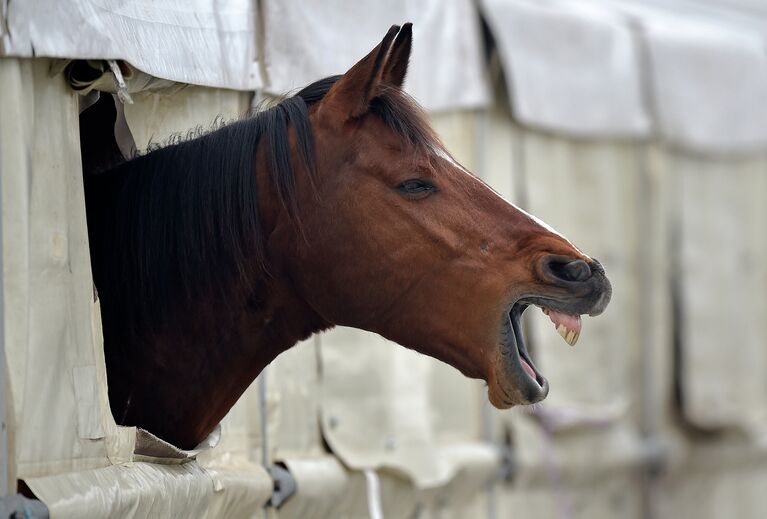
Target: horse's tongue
[
  {"x": 568, "y": 326},
  {"x": 528, "y": 369}
]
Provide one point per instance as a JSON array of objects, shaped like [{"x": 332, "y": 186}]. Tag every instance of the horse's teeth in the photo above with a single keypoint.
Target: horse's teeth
[
  {"x": 570, "y": 336},
  {"x": 568, "y": 326}
]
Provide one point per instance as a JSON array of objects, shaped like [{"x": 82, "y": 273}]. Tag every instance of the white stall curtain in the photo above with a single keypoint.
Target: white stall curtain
[{"x": 66, "y": 445}]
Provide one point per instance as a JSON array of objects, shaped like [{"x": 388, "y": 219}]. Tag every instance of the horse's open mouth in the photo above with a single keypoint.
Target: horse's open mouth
[{"x": 530, "y": 385}]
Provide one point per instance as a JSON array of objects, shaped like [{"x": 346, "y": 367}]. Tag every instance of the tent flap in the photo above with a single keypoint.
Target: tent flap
[{"x": 202, "y": 42}]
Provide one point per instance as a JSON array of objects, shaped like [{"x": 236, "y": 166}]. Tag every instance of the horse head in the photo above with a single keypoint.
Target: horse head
[
  {"x": 338, "y": 206},
  {"x": 399, "y": 239}
]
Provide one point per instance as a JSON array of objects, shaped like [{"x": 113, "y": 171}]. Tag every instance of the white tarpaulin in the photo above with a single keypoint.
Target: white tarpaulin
[
  {"x": 384, "y": 421},
  {"x": 66, "y": 445},
  {"x": 52, "y": 329},
  {"x": 143, "y": 490},
  {"x": 584, "y": 430},
  {"x": 709, "y": 86},
  {"x": 570, "y": 67},
  {"x": 721, "y": 288},
  {"x": 695, "y": 74},
  {"x": 203, "y": 42},
  {"x": 588, "y": 192},
  {"x": 305, "y": 41}
]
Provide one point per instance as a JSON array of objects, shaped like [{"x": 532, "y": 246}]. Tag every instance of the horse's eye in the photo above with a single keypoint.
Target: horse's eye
[{"x": 417, "y": 187}]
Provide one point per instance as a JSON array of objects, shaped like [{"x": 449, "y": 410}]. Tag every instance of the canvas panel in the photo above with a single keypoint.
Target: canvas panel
[
  {"x": 588, "y": 192},
  {"x": 695, "y": 74},
  {"x": 155, "y": 119},
  {"x": 149, "y": 490},
  {"x": 571, "y": 67},
  {"x": 52, "y": 328},
  {"x": 203, "y": 42},
  {"x": 721, "y": 272},
  {"x": 592, "y": 192},
  {"x": 613, "y": 495},
  {"x": 375, "y": 406},
  {"x": 53, "y": 334},
  {"x": 306, "y": 41},
  {"x": 321, "y": 483},
  {"x": 723, "y": 479},
  {"x": 724, "y": 69}
]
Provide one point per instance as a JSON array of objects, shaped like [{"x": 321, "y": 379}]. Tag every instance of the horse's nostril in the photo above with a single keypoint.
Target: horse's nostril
[
  {"x": 577, "y": 270},
  {"x": 565, "y": 269}
]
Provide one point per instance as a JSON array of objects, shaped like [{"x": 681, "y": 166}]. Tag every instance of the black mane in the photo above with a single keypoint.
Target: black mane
[{"x": 182, "y": 222}]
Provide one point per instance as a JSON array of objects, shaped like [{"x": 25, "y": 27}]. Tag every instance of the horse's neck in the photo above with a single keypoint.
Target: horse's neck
[{"x": 180, "y": 384}]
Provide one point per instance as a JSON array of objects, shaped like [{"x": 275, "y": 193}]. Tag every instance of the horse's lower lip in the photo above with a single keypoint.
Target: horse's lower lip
[{"x": 527, "y": 384}]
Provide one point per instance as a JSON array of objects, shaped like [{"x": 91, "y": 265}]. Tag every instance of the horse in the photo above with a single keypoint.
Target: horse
[{"x": 336, "y": 206}]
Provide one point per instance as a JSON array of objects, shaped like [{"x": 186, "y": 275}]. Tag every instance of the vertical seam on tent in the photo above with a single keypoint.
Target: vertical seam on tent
[
  {"x": 648, "y": 426},
  {"x": 4, "y": 465}
]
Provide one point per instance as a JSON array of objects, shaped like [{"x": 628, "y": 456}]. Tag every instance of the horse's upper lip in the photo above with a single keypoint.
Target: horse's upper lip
[{"x": 572, "y": 306}]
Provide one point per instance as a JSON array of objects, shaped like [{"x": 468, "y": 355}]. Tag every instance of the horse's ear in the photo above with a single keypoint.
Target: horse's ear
[
  {"x": 351, "y": 94},
  {"x": 396, "y": 65}
]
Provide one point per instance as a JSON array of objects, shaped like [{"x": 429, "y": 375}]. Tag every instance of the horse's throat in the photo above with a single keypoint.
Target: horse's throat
[{"x": 180, "y": 384}]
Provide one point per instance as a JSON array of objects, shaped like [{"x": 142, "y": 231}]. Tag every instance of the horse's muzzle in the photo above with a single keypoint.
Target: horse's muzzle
[{"x": 589, "y": 291}]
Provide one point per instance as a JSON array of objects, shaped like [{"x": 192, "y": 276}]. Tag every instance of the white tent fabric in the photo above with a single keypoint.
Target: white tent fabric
[
  {"x": 203, "y": 42},
  {"x": 294, "y": 438},
  {"x": 570, "y": 67},
  {"x": 707, "y": 71},
  {"x": 213, "y": 44},
  {"x": 588, "y": 192},
  {"x": 66, "y": 445},
  {"x": 696, "y": 74},
  {"x": 52, "y": 329},
  {"x": 325, "y": 487},
  {"x": 723, "y": 307},
  {"x": 617, "y": 201},
  {"x": 385, "y": 421},
  {"x": 144, "y": 490},
  {"x": 585, "y": 429},
  {"x": 154, "y": 118},
  {"x": 305, "y": 41},
  {"x": 424, "y": 432},
  {"x": 384, "y": 408},
  {"x": 710, "y": 87},
  {"x": 573, "y": 67}
]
